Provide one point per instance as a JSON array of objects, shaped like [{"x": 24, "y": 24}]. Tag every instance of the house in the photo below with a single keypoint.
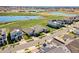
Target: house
[
  {"x": 38, "y": 29},
  {"x": 73, "y": 46},
  {"x": 67, "y": 21},
  {"x": 75, "y": 18},
  {"x": 35, "y": 30},
  {"x": 76, "y": 30},
  {"x": 55, "y": 23},
  {"x": 3, "y": 37},
  {"x": 61, "y": 23},
  {"x": 53, "y": 49},
  {"x": 28, "y": 31},
  {"x": 16, "y": 35}
]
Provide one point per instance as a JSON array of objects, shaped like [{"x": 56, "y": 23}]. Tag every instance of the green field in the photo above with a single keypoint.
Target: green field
[{"x": 30, "y": 23}]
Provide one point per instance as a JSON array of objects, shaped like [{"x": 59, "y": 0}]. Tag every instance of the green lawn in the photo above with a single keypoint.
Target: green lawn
[{"x": 30, "y": 23}]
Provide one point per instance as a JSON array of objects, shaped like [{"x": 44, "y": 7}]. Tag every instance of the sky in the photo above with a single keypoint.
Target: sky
[{"x": 39, "y": 2}]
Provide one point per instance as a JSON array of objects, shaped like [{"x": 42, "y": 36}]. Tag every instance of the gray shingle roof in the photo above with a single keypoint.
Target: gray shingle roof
[
  {"x": 37, "y": 28},
  {"x": 28, "y": 30},
  {"x": 34, "y": 30}
]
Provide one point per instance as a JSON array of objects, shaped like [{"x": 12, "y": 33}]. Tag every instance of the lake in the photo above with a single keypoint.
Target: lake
[
  {"x": 16, "y": 18},
  {"x": 62, "y": 14}
]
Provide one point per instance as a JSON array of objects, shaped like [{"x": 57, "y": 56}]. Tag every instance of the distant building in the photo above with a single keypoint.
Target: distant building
[
  {"x": 16, "y": 34},
  {"x": 3, "y": 37}
]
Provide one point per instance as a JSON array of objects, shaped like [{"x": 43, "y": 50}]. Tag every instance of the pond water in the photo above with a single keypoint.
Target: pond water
[
  {"x": 62, "y": 14},
  {"x": 15, "y": 18}
]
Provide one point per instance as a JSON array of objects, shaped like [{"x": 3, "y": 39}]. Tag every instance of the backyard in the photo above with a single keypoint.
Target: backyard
[{"x": 30, "y": 23}]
